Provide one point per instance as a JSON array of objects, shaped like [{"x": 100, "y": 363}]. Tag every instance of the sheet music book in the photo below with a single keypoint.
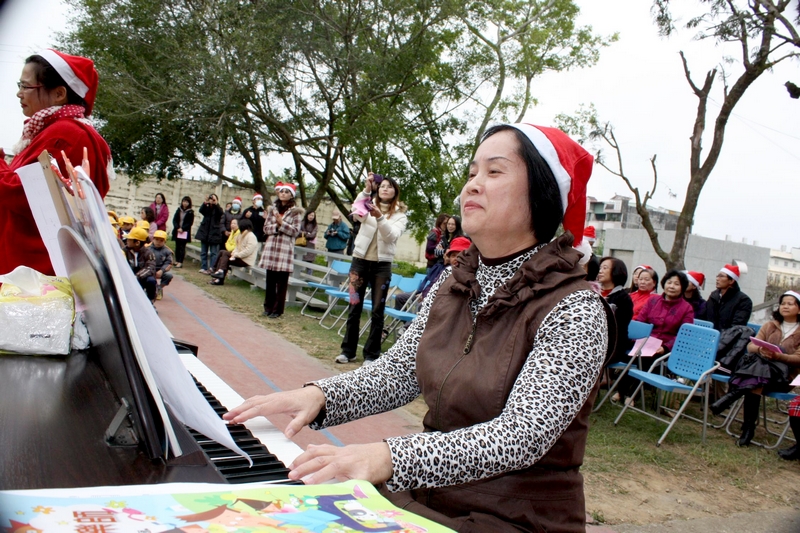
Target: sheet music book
[
  {"x": 352, "y": 506},
  {"x": 646, "y": 347},
  {"x": 159, "y": 362},
  {"x": 764, "y": 344}
]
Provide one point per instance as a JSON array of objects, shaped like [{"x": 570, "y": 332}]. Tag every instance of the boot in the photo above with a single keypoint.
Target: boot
[
  {"x": 727, "y": 400},
  {"x": 793, "y": 453},
  {"x": 752, "y": 402}
]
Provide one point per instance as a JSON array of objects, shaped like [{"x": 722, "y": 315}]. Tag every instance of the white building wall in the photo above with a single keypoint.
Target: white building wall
[{"x": 702, "y": 255}]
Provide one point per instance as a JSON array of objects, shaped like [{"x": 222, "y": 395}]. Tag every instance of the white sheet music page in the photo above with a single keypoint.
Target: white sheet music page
[
  {"x": 44, "y": 212},
  {"x": 161, "y": 362}
]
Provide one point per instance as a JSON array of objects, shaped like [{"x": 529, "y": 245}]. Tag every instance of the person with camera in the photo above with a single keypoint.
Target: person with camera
[
  {"x": 210, "y": 232},
  {"x": 373, "y": 253},
  {"x": 337, "y": 234}
]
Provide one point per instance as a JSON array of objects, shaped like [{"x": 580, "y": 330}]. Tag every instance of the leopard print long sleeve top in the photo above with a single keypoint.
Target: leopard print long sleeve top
[{"x": 553, "y": 385}]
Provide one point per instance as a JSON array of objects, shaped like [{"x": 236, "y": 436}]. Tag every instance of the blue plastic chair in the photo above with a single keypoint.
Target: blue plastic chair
[
  {"x": 337, "y": 267},
  {"x": 692, "y": 358},
  {"x": 703, "y": 323},
  {"x": 765, "y": 420},
  {"x": 755, "y": 327},
  {"x": 636, "y": 330}
]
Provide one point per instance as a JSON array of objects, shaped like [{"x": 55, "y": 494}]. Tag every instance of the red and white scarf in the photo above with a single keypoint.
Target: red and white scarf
[{"x": 43, "y": 118}]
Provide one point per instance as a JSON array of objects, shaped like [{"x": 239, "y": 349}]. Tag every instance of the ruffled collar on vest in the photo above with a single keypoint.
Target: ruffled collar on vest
[{"x": 552, "y": 265}]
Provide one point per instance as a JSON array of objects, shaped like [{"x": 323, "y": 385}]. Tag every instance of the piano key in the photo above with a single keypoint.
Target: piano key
[{"x": 261, "y": 428}]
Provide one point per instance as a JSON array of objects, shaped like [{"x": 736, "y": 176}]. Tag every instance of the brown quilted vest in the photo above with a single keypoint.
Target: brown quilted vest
[{"x": 466, "y": 373}]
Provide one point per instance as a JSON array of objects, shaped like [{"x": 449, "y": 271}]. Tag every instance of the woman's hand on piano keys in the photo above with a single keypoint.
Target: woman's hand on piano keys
[
  {"x": 323, "y": 463},
  {"x": 303, "y": 405}
]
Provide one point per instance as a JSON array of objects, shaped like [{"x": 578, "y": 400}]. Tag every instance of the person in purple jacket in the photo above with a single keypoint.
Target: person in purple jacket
[{"x": 669, "y": 312}]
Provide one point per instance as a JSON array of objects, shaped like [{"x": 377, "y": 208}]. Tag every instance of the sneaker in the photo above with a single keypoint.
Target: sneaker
[
  {"x": 203, "y": 271},
  {"x": 342, "y": 359},
  {"x": 178, "y": 265},
  {"x": 368, "y": 362},
  {"x": 159, "y": 293}
]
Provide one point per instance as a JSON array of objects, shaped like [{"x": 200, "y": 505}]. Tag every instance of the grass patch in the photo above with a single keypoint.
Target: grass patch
[{"x": 613, "y": 453}]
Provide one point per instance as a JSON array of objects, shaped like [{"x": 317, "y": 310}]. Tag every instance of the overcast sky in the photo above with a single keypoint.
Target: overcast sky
[{"x": 638, "y": 85}]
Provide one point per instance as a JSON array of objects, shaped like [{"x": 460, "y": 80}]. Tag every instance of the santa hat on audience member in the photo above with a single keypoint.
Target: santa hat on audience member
[
  {"x": 258, "y": 196},
  {"x": 791, "y": 293},
  {"x": 78, "y": 73},
  {"x": 732, "y": 271},
  {"x": 590, "y": 234},
  {"x": 238, "y": 199},
  {"x": 695, "y": 278},
  {"x": 572, "y": 167},
  {"x": 291, "y": 187},
  {"x": 643, "y": 267},
  {"x": 459, "y": 244}
]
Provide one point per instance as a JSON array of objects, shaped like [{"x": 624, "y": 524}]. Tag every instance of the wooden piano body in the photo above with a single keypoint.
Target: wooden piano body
[{"x": 88, "y": 419}]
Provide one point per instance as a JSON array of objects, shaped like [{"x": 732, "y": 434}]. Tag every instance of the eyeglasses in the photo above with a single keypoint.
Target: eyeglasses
[{"x": 21, "y": 86}]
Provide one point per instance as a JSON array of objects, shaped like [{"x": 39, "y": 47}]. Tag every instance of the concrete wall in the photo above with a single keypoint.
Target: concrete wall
[
  {"x": 128, "y": 199},
  {"x": 702, "y": 254}
]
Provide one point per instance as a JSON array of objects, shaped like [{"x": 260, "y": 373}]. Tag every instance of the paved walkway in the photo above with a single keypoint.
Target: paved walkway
[{"x": 254, "y": 360}]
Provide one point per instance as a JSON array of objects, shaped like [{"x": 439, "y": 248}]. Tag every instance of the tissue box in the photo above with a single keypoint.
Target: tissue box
[{"x": 37, "y": 322}]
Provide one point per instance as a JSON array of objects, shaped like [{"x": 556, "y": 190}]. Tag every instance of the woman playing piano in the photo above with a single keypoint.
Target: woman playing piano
[
  {"x": 506, "y": 351},
  {"x": 56, "y": 93}
]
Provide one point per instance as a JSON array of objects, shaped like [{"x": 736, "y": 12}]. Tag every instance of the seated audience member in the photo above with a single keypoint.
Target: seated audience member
[
  {"x": 164, "y": 262},
  {"x": 592, "y": 266},
  {"x": 243, "y": 254},
  {"x": 646, "y": 284},
  {"x": 612, "y": 277},
  {"x": 142, "y": 261},
  {"x": 728, "y": 306},
  {"x": 230, "y": 244},
  {"x": 635, "y": 278},
  {"x": 669, "y": 311},
  {"x": 792, "y": 453},
  {"x": 762, "y": 370},
  {"x": 337, "y": 234},
  {"x": 125, "y": 225},
  {"x": 692, "y": 292},
  {"x": 458, "y": 245},
  {"x": 433, "y": 238}
]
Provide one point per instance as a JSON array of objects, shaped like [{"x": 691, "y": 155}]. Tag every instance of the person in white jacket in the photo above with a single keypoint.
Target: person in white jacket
[
  {"x": 243, "y": 254},
  {"x": 373, "y": 253}
]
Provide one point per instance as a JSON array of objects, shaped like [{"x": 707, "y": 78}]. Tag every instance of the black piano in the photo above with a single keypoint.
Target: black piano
[{"x": 88, "y": 419}]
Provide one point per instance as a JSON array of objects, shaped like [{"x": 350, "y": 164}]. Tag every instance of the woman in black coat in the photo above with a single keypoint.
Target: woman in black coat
[
  {"x": 612, "y": 277},
  {"x": 182, "y": 222},
  {"x": 210, "y": 232}
]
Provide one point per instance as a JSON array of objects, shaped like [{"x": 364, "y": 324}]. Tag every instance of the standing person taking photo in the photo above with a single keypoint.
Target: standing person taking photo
[
  {"x": 282, "y": 227},
  {"x": 373, "y": 253},
  {"x": 56, "y": 92},
  {"x": 337, "y": 234},
  {"x": 210, "y": 232}
]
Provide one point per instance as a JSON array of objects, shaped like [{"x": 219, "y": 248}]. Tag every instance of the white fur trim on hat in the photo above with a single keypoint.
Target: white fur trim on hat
[
  {"x": 730, "y": 273},
  {"x": 792, "y": 293},
  {"x": 549, "y": 154},
  {"x": 65, "y": 71}
]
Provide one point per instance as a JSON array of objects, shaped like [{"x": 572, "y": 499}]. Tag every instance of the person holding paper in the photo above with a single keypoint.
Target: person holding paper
[
  {"x": 763, "y": 369},
  {"x": 182, "y": 223},
  {"x": 506, "y": 351},
  {"x": 669, "y": 311},
  {"x": 56, "y": 112}
]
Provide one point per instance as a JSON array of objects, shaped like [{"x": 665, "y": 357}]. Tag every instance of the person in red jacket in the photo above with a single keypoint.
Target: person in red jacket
[{"x": 56, "y": 93}]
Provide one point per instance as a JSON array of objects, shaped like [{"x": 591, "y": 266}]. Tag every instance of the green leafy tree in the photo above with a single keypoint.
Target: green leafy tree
[
  {"x": 764, "y": 34},
  {"x": 404, "y": 88}
]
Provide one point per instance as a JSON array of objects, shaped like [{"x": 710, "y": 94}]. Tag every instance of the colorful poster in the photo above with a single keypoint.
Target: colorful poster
[{"x": 333, "y": 508}]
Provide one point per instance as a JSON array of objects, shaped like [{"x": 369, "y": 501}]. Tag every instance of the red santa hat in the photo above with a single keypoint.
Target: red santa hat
[
  {"x": 291, "y": 187},
  {"x": 590, "y": 233},
  {"x": 258, "y": 196},
  {"x": 238, "y": 199},
  {"x": 643, "y": 267},
  {"x": 78, "y": 73},
  {"x": 571, "y": 165},
  {"x": 732, "y": 271},
  {"x": 695, "y": 278}
]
